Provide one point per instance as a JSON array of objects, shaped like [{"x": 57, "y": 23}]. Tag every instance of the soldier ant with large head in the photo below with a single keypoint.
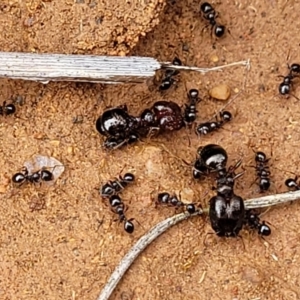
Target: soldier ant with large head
[{"x": 210, "y": 15}]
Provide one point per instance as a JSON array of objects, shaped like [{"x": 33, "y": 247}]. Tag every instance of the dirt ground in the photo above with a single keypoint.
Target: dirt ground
[{"x": 62, "y": 241}]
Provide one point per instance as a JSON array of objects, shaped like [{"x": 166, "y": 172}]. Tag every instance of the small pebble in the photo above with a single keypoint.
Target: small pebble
[
  {"x": 220, "y": 92},
  {"x": 214, "y": 58}
]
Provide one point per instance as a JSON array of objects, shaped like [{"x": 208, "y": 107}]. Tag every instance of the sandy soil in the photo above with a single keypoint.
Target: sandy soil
[{"x": 61, "y": 241}]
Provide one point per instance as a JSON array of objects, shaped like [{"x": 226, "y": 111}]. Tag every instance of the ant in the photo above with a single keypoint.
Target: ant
[
  {"x": 210, "y": 14},
  {"x": 291, "y": 183},
  {"x": 207, "y": 127},
  {"x": 253, "y": 221},
  {"x": 285, "y": 86},
  {"x": 167, "y": 199},
  {"x": 262, "y": 171},
  {"x": 168, "y": 79},
  {"x": 7, "y": 109},
  {"x": 190, "y": 112},
  {"x": 115, "y": 186},
  {"x": 36, "y": 177},
  {"x": 118, "y": 208}
]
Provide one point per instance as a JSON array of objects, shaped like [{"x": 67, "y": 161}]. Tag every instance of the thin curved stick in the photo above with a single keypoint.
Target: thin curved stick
[
  {"x": 205, "y": 70},
  {"x": 161, "y": 227}
]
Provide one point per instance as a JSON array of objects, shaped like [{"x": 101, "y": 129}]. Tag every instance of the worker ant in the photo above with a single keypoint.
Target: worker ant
[
  {"x": 253, "y": 221},
  {"x": 168, "y": 79},
  {"x": 36, "y": 177},
  {"x": 167, "y": 199},
  {"x": 262, "y": 171},
  {"x": 116, "y": 186},
  {"x": 285, "y": 86},
  {"x": 210, "y": 15},
  {"x": 207, "y": 127},
  {"x": 190, "y": 112},
  {"x": 292, "y": 184},
  {"x": 7, "y": 109},
  {"x": 118, "y": 208}
]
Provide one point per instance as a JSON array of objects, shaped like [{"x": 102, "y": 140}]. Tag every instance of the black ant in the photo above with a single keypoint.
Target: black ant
[
  {"x": 118, "y": 207},
  {"x": 291, "y": 183},
  {"x": 190, "y": 112},
  {"x": 7, "y": 109},
  {"x": 207, "y": 127},
  {"x": 36, "y": 177},
  {"x": 210, "y": 14},
  {"x": 115, "y": 186},
  {"x": 262, "y": 171},
  {"x": 168, "y": 79},
  {"x": 167, "y": 199},
  {"x": 253, "y": 221},
  {"x": 285, "y": 86}
]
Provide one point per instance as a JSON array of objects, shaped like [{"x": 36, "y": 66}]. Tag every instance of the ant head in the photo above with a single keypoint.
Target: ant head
[
  {"x": 193, "y": 93},
  {"x": 128, "y": 177},
  {"x": 260, "y": 156}
]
